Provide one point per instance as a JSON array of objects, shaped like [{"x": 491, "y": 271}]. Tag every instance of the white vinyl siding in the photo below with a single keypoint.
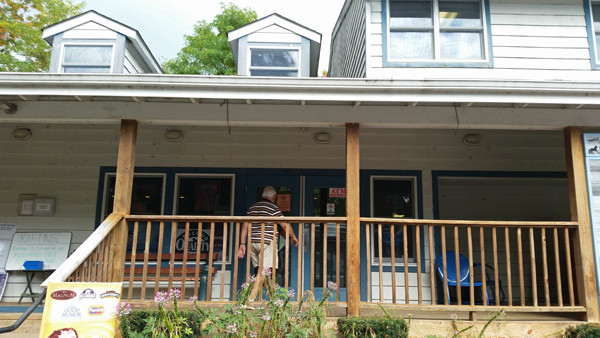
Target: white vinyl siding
[
  {"x": 541, "y": 40},
  {"x": 348, "y": 45}
]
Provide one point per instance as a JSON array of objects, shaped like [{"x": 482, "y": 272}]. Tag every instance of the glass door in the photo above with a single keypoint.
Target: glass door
[{"x": 325, "y": 196}]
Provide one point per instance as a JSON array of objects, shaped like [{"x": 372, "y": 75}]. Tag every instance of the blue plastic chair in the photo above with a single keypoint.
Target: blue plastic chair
[{"x": 463, "y": 280}]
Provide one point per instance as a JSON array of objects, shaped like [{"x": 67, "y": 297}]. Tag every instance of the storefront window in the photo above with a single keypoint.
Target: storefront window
[
  {"x": 393, "y": 198},
  {"x": 206, "y": 196}
]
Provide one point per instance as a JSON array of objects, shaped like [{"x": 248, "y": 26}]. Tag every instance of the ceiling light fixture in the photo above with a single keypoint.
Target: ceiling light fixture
[
  {"x": 22, "y": 134},
  {"x": 174, "y": 135},
  {"x": 472, "y": 139},
  {"x": 322, "y": 138}
]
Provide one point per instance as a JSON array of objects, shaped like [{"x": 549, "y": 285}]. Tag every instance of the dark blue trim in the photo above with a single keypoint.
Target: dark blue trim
[
  {"x": 437, "y": 63},
  {"x": 589, "y": 23},
  {"x": 436, "y": 174},
  {"x": 365, "y": 211}
]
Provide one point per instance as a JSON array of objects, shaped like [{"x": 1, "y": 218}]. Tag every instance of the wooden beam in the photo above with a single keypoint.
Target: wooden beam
[
  {"x": 583, "y": 245},
  {"x": 353, "y": 215},
  {"x": 122, "y": 204}
]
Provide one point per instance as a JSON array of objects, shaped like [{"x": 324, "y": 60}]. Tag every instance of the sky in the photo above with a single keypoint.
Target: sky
[{"x": 163, "y": 23}]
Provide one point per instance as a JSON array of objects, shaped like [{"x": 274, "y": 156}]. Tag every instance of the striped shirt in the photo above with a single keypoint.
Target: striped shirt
[{"x": 263, "y": 208}]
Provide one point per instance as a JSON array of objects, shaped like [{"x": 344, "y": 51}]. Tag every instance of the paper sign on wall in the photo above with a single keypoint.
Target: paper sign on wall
[
  {"x": 284, "y": 202},
  {"x": 81, "y": 310},
  {"x": 337, "y": 192},
  {"x": 7, "y": 230},
  {"x": 330, "y": 209}
]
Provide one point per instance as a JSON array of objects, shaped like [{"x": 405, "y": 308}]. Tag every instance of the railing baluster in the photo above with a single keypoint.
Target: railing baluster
[
  {"x": 393, "y": 261},
  {"x": 557, "y": 267},
  {"x": 521, "y": 273},
  {"x": 418, "y": 249},
  {"x": 89, "y": 268},
  {"x": 380, "y": 264},
  {"x": 105, "y": 268},
  {"x": 337, "y": 262},
  {"x": 133, "y": 257},
  {"x": 300, "y": 257},
  {"x": 286, "y": 277},
  {"x": 161, "y": 233},
  {"x": 471, "y": 280},
  {"x": 146, "y": 255},
  {"x": 545, "y": 265},
  {"x": 211, "y": 252},
  {"x": 508, "y": 267},
  {"x": 431, "y": 264},
  {"x": 483, "y": 275},
  {"x": 569, "y": 270},
  {"x": 444, "y": 265},
  {"x": 185, "y": 258},
  {"x": 248, "y": 249},
  {"x": 496, "y": 273},
  {"x": 235, "y": 261},
  {"x": 324, "y": 257},
  {"x": 172, "y": 260},
  {"x": 406, "y": 286},
  {"x": 198, "y": 256},
  {"x": 274, "y": 251},
  {"x": 369, "y": 286},
  {"x": 261, "y": 263},
  {"x": 224, "y": 261},
  {"x": 94, "y": 272},
  {"x": 533, "y": 267},
  {"x": 457, "y": 267},
  {"x": 312, "y": 258},
  {"x": 100, "y": 271}
]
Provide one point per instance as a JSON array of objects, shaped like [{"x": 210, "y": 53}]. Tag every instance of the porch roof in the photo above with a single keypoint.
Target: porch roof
[{"x": 194, "y": 99}]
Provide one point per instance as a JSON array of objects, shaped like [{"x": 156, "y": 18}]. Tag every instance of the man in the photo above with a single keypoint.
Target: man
[{"x": 264, "y": 208}]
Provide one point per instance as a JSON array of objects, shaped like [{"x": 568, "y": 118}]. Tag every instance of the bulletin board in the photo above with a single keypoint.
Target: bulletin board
[{"x": 52, "y": 248}]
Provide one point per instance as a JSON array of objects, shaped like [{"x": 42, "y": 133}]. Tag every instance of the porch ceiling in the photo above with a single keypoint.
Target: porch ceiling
[{"x": 199, "y": 100}]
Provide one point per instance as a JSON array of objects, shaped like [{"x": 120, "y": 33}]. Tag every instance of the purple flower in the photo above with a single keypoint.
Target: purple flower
[
  {"x": 266, "y": 272},
  {"x": 162, "y": 298},
  {"x": 332, "y": 286},
  {"x": 251, "y": 279},
  {"x": 266, "y": 317},
  {"x": 193, "y": 299},
  {"x": 291, "y": 293},
  {"x": 244, "y": 285},
  {"x": 232, "y": 328},
  {"x": 279, "y": 303},
  {"x": 253, "y": 334},
  {"x": 123, "y": 309},
  {"x": 453, "y": 316},
  {"x": 174, "y": 293}
]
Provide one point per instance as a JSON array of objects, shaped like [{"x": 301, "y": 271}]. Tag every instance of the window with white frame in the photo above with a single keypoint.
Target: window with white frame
[
  {"x": 274, "y": 62},
  {"x": 393, "y": 197},
  {"x": 87, "y": 58},
  {"x": 436, "y": 30},
  {"x": 596, "y": 24}
]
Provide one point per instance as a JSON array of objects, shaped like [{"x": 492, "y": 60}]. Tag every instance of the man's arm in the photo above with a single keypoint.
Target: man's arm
[
  {"x": 243, "y": 239},
  {"x": 287, "y": 227}
]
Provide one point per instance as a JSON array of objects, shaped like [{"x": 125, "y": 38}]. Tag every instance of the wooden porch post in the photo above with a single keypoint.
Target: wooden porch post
[
  {"x": 583, "y": 246},
  {"x": 353, "y": 215},
  {"x": 122, "y": 204}
]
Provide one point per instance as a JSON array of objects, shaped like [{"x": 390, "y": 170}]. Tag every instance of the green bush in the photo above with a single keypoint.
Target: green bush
[
  {"x": 583, "y": 331},
  {"x": 138, "y": 321},
  {"x": 381, "y": 327}
]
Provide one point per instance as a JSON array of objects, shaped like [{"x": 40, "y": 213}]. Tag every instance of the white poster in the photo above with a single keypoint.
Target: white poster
[
  {"x": 592, "y": 154},
  {"x": 7, "y": 230}
]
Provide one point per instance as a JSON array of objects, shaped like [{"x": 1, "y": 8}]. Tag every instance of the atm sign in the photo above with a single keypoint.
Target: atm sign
[{"x": 337, "y": 192}]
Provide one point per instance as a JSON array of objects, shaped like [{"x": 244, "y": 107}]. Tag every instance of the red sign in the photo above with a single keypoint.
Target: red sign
[{"x": 337, "y": 192}]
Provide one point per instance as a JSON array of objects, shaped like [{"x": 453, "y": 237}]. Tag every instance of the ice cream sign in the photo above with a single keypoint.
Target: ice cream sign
[{"x": 337, "y": 192}]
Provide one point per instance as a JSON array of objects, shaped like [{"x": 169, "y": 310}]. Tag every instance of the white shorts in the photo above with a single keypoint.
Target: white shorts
[{"x": 268, "y": 256}]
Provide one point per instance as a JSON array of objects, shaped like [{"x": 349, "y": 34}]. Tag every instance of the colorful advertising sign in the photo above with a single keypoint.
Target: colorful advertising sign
[{"x": 81, "y": 310}]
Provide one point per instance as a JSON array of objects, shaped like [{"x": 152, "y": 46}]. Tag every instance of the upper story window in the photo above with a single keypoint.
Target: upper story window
[
  {"x": 595, "y": 5},
  {"x": 444, "y": 31},
  {"x": 274, "y": 62},
  {"x": 87, "y": 59}
]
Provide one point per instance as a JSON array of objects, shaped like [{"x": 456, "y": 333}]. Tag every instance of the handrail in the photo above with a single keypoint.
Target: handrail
[
  {"x": 292, "y": 219},
  {"x": 25, "y": 315},
  {"x": 85, "y": 249},
  {"x": 503, "y": 224}
]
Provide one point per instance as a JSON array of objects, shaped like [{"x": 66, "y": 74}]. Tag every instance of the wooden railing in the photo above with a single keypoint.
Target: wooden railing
[
  {"x": 476, "y": 241},
  {"x": 146, "y": 272},
  {"x": 91, "y": 261}
]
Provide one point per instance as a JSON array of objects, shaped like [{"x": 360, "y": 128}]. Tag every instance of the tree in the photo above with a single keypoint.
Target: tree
[
  {"x": 207, "y": 51},
  {"x": 22, "y": 48}
]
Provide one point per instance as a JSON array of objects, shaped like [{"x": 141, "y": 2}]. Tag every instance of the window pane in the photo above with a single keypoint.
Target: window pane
[
  {"x": 410, "y": 13},
  {"x": 71, "y": 69},
  {"x": 271, "y": 72},
  {"x": 204, "y": 196},
  {"x": 274, "y": 58},
  {"x": 146, "y": 196},
  {"x": 418, "y": 45},
  {"x": 460, "y": 45},
  {"x": 393, "y": 199},
  {"x": 596, "y": 16},
  {"x": 460, "y": 14},
  {"x": 88, "y": 54}
]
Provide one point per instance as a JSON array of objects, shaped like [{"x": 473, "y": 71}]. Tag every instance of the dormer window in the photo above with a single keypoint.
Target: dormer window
[
  {"x": 87, "y": 59},
  {"x": 274, "y": 62}
]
